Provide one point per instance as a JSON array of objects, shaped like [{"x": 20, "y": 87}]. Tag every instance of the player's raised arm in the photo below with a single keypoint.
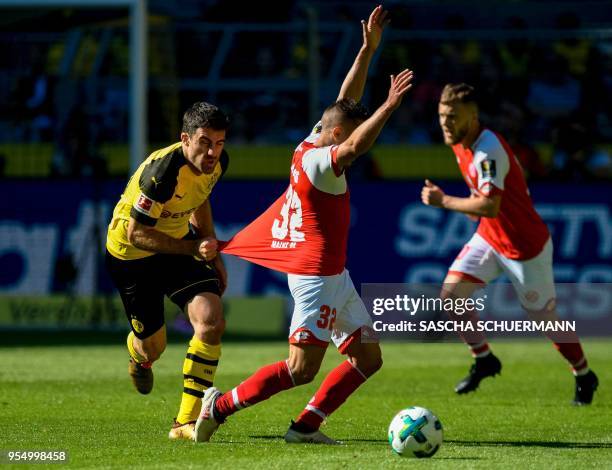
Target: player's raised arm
[
  {"x": 372, "y": 30},
  {"x": 364, "y": 136}
]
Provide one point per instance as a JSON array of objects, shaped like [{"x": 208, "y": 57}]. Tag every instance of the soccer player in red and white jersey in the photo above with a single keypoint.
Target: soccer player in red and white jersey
[
  {"x": 304, "y": 233},
  {"x": 511, "y": 237}
]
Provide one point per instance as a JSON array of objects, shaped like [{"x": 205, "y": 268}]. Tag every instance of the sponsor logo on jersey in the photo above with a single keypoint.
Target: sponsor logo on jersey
[
  {"x": 488, "y": 168},
  {"x": 176, "y": 215},
  {"x": 144, "y": 204}
]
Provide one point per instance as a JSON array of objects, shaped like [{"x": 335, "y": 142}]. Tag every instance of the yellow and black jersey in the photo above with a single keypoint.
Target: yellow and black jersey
[{"x": 162, "y": 193}]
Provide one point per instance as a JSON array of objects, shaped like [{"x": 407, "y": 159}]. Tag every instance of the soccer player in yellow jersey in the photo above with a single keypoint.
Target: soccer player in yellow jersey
[{"x": 161, "y": 241}]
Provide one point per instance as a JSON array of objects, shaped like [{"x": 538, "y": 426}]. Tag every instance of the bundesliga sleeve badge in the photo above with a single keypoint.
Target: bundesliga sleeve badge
[
  {"x": 488, "y": 169},
  {"x": 144, "y": 204}
]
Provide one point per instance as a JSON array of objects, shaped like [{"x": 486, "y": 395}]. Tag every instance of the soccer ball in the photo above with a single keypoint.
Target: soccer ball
[{"x": 415, "y": 431}]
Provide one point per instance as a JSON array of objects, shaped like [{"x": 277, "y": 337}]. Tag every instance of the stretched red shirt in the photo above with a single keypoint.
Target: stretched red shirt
[{"x": 305, "y": 231}]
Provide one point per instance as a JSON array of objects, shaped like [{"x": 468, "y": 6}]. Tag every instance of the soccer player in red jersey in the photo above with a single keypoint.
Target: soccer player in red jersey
[
  {"x": 304, "y": 233},
  {"x": 511, "y": 237}
]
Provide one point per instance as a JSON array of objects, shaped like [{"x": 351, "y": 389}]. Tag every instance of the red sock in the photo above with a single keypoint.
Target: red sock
[
  {"x": 573, "y": 353},
  {"x": 480, "y": 349},
  {"x": 335, "y": 389},
  {"x": 260, "y": 386}
]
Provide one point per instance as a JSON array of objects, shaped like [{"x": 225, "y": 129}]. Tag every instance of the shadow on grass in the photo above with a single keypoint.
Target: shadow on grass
[
  {"x": 549, "y": 444},
  {"x": 77, "y": 338},
  {"x": 347, "y": 440},
  {"x": 267, "y": 438},
  {"x": 378, "y": 442}
]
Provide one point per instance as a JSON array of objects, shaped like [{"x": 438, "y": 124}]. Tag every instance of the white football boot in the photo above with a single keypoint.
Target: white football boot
[{"x": 206, "y": 425}]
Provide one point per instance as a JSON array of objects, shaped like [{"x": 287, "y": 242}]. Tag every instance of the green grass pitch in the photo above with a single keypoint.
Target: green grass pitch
[{"x": 79, "y": 399}]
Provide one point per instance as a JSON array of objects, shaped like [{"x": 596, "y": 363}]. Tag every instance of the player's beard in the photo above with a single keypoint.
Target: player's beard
[
  {"x": 456, "y": 137},
  {"x": 203, "y": 163}
]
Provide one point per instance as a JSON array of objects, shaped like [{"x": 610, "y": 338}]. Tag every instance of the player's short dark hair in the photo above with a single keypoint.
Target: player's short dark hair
[
  {"x": 206, "y": 115},
  {"x": 342, "y": 110},
  {"x": 458, "y": 93}
]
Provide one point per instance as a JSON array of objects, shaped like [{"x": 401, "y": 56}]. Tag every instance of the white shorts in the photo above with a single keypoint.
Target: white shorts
[
  {"x": 533, "y": 279},
  {"x": 328, "y": 308}
]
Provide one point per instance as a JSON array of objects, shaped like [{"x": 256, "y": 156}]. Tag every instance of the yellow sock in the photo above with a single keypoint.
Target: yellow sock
[
  {"x": 198, "y": 374},
  {"x": 130, "y": 345}
]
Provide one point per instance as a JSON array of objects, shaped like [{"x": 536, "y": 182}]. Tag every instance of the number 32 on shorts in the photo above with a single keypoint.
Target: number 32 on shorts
[{"x": 327, "y": 317}]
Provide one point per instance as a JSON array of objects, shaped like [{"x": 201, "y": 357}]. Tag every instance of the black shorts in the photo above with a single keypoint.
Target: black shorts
[{"x": 142, "y": 284}]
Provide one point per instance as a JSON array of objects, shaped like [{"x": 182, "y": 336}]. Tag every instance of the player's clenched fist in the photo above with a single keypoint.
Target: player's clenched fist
[
  {"x": 432, "y": 195},
  {"x": 207, "y": 249}
]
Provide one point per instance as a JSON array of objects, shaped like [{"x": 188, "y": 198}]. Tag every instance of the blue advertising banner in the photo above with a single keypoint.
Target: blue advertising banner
[{"x": 394, "y": 238}]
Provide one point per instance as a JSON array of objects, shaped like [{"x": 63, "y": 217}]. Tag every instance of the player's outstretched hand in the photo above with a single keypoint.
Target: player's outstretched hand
[
  {"x": 373, "y": 29},
  {"x": 207, "y": 249},
  {"x": 400, "y": 84},
  {"x": 432, "y": 195}
]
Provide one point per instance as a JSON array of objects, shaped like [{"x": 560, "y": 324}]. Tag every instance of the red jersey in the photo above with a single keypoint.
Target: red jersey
[
  {"x": 489, "y": 167},
  {"x": 306, "y": 230}
]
